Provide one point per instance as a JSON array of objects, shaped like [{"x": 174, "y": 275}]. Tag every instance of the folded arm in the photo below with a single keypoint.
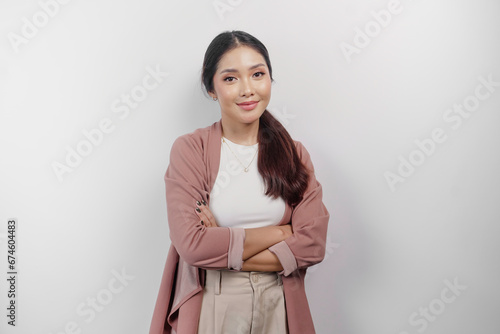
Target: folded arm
[
  {"x": 255, "y": 255},
  {"x": 263, "y": 261}
]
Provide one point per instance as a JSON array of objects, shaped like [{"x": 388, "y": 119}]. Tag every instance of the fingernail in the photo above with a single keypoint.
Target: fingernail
[
  {"x": 198, "y": 209},
  {"x": 204, "y": 203},
  {"x": 198, "y": 203}
]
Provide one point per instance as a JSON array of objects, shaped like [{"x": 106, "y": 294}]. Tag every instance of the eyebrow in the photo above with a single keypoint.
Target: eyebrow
[{"x": 235, "y": 70}]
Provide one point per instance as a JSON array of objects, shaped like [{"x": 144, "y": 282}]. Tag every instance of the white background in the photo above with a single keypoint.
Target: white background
[{"x": 390, "y": 250}]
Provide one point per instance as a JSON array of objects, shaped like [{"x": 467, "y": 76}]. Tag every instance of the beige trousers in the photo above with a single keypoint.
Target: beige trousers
[{"x": 238, "y": 302}]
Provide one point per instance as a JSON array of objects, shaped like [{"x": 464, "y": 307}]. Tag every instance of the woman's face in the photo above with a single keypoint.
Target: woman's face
[{"x": 242, "y": 76}]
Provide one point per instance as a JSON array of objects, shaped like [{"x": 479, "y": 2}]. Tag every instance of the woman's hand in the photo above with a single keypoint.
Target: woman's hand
[{"x": 205, "y": 215}]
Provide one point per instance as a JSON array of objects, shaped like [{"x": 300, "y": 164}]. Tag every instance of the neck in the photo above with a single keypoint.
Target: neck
[{"x": 241, "y": 133}]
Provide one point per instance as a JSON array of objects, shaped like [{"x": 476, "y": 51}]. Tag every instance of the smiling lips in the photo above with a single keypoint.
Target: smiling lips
[{"x": 248, "y": 105}]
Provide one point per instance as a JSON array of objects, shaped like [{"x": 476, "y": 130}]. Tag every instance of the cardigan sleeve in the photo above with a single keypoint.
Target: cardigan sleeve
[
  {"x": 306, "y": 246},
  {"x": 185, "y": 183}
]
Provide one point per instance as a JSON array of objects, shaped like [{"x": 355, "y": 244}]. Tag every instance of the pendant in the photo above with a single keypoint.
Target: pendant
[{"x": 246, "y": 170}]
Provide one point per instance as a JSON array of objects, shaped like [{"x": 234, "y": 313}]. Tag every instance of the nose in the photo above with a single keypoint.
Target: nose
[{"x": 246, "y": 88}]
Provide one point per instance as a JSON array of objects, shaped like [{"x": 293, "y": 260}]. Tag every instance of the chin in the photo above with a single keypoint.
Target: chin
[{"x": 250, "y": 118}]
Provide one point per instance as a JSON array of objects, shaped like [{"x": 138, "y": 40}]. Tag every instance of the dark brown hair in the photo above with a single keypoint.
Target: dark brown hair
[{"x": 283, "y": 172}]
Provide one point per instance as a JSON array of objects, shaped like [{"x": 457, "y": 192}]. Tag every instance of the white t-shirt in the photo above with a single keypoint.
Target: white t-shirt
[{"x": 237, "y": 198}]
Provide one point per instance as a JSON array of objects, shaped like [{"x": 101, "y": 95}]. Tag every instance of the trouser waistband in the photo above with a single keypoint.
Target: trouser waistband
[{"x": 235, "y": 279}]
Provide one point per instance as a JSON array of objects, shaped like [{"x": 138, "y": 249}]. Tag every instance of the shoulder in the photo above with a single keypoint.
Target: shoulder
[
  {"x": 303, "y": 154},
  {"x": 193, "y": 141},
  {"x": 299, "y": 146},
  {"x": 188, "y": 155}
]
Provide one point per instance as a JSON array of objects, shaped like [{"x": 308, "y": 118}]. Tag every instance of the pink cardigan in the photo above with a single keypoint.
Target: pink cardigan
[{"x": 190, "y": 176}]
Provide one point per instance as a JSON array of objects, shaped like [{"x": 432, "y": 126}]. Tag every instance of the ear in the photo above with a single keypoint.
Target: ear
[{"x": 212, "y": 94}]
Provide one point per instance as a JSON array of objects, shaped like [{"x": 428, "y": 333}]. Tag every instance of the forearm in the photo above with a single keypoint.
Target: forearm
[
  {"x": 261, "y": 238},
  {"x": 263, "y": 261}
]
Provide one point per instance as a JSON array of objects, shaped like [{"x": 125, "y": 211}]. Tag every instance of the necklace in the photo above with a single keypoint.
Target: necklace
[{"x": 244, "y": 168}]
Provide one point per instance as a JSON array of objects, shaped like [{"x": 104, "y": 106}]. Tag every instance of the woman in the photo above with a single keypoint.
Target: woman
[{"x": 244, "y": 209}]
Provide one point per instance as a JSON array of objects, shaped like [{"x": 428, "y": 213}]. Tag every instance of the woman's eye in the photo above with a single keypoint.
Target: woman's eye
[
  {"x": 227, "y": 79},
  {"x": 261, "y": 73}
]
